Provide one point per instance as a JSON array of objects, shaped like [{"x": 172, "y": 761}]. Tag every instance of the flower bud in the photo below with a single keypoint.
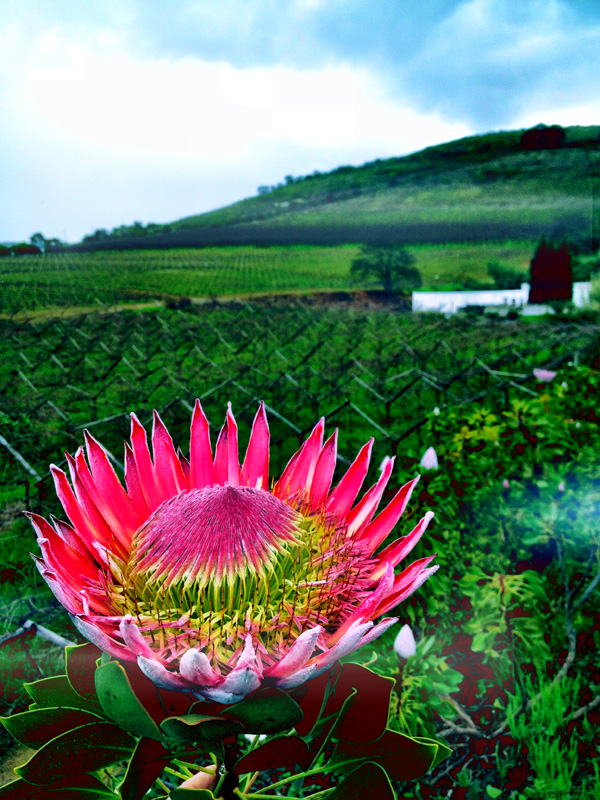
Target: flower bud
[
  {"x": 429, "y": 460},
  {"x": 405, "y": 644}
]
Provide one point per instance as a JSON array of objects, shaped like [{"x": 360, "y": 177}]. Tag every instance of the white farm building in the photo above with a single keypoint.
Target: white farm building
[{"x": 451, "y": 302}]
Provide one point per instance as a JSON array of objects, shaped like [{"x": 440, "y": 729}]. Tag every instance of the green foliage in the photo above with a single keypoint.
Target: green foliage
[
  {"x": 109, "y": 753},
  {"x": 552, "y": 749},
  {"x": 387, "y": 266},
  {"x": 504, "y": 276}
]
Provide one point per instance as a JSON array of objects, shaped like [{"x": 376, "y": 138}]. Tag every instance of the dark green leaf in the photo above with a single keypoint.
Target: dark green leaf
[
  {"x": 120, "y": 703},
  {"x": 148, "y": 761},
  {"x": 81, "y": 666},
  {"x": 312, "y": 697},
  {"x": 287, "y": 752},
  {"x": 365, "y": 719},
  {"x": 443, "y": 750},
  {"x": 403, "y": 757},
  {"x": 200, "y": 728},
  {"x": 56, "y": 692},
  {"x": 368, "y": 782},
  {"x": 81, "y": 750},
  {"x": 192, "y": 794},
  {"x": 269, "y": 711},
  {"x": 35, "y": 728},
  {"x": 82, "y": 787}
]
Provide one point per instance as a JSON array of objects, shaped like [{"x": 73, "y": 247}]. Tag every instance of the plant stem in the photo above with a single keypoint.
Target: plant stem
[{"x": 176, "y": 774}]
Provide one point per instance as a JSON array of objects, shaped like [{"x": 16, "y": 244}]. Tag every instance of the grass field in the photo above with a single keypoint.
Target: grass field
[{"x": 109, "y": 277}]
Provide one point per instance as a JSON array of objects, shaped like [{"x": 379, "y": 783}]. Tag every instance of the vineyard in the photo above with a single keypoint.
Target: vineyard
[
  {"x": 124, "y": 277},
  {"x": 507, "y": 630}
]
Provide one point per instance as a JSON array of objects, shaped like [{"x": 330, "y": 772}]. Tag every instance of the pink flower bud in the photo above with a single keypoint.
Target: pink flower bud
[
  {"x": 405, "y": 644},
  {"x": 505, "y": 483},
  {"x": 544, "y": 375},
  {"x": 429, "y": 460}
]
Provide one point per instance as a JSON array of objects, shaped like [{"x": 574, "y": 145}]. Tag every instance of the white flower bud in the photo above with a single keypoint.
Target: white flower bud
[
  {"x": 429, "y": 460},
  {"x": 405, "y": 644}
]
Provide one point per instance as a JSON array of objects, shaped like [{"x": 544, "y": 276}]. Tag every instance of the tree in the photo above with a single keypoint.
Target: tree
[
  {"x": 389, "y": 266},
  {"x": 550, "y": 273},
  {"x": 505, "y": 277}
]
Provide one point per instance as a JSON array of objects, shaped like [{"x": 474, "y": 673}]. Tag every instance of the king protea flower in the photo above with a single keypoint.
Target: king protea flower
[{"x": 215, "y": 581}]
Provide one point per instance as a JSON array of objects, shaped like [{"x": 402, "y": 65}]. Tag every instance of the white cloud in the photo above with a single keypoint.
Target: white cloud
[{"x": 107, "y": 138}]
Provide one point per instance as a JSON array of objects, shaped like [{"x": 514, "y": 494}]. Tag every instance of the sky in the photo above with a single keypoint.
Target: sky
[{"x": 113, "y": 111}]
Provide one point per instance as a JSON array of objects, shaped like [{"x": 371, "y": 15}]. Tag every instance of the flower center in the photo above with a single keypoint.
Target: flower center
[
  {"x": 212, "y": 564},
  {"x": 212, "y": 534}
]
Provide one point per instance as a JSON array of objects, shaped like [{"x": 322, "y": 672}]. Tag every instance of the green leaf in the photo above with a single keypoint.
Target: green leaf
[
  {"x": 80, "y": 750},
  {"x": 365, "y": 717},
  {"x": 443, "y": 751},
  {"x": 284, "y": 752},
  {"x": 368, "y": 782},
  {"x": 120, "y": 703},
  {"x": 269, "y": 711},
  {"x": 147, "y": 763},
  {"x": 80, "y": 666},
  {"x": 35, "y": 728},
  {"x": 492, "y": 791},
  {"x": 200, "y": 728},
  {"x": 192, "y": 794},
  {"x": 56, "y": 692},
  {"x": 404, "y": 758},
  {"x": 82, "y": 787}
]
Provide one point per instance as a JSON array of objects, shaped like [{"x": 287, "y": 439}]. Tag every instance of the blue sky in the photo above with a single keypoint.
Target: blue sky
[{"x": 123, "y": 110}]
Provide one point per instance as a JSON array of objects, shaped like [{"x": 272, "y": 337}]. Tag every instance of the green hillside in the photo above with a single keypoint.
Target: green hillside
[
  {"x": 476, "y": 179},
  {"x": 493, "y": 187}
]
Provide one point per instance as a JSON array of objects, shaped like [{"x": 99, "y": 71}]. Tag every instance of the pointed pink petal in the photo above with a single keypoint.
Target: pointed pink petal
[
  {"x": 256, "y": 462},
  {"x": 349, "y": 642},
  {"x": 102, "y": 532},
  {"x": 134, "y": 640},
  {"x": 108, "y": 485},
  {"x": 68, "y": 563},
  {"x": 278, "y": 489},
  {"x": 297, "y": 480},
  {"x": 144, "y": 464},
  {"x": 376, "y": 531},
  {"x": 300, "y": 677},
  {"x": 399, "y": 549},
  {"x": 202, "y": 471},
  {"x": 227, "y": 467},
  {"x": 94, "y": 635},
  {"x": 368, "y": 608},
  {"x": 397, "y": 597},
  {"x": 377, "y": 630},
  {"x": 134, "y": 486},
  {"x": 408, "y": 575},
  {"x": 241, "y": 682},
  {"x": 324, "y": 470},
  {"x": 170, "y": 477},
  {"x": 297, "y": 655},
  {"x": 195, "y": 667},
  {"x": 248, "y": 657},
  {"x": 362, "y": 513},
  {"x": 217, "y": 695},
  {"x": 161, "y": 676},
  {"x": 65, "y": 596},
  {"x": 185, "y": 467},
  {"x": 84, "y": 528},
  {"x": 341, "y": 498},
  {"x": 109, "y": 514}
]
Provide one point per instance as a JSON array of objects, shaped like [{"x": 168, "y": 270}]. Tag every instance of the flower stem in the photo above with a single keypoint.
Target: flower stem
[
  {"x": 194, "y": 768},
  {"x": 176, "y": 774}
]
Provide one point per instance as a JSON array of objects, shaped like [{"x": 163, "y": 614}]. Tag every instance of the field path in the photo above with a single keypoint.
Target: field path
[{"x": 45, "y": 314}]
